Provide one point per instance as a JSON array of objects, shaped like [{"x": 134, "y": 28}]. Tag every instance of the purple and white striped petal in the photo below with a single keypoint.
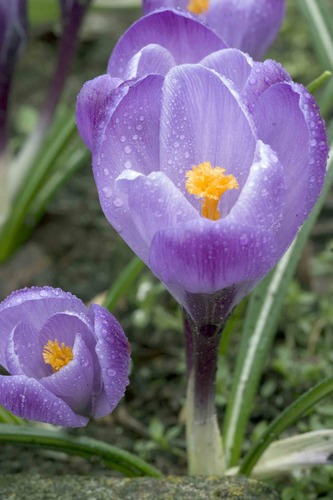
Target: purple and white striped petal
[
  {"x": 190, "y": 41},
  {"x": 232, "y": 64},
  {"x": 288, "y": 119},
  {"x": 74, "y": 382},
  {"x": 96, "y": 101},
  {"x": 27, "y": 398},
  {"x": 34, "y": 305},
  {"x": 113, "y": 354},
  {"x": 23, "y": 353},
  {"x": 200, "y": 113}
]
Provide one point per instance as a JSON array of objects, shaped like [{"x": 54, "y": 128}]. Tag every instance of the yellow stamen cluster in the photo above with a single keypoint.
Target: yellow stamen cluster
[
  {"x": 209, "y": 183},
  {"x": 198, "y": 6},
  {"x": 57, "y": 355}
]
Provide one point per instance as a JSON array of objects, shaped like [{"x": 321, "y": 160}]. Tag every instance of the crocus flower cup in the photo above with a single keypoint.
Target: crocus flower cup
[
  {"x": 248, "y": 25},
  {"x": 176, "y": 104},
  {"x": 65, "y": 363}
]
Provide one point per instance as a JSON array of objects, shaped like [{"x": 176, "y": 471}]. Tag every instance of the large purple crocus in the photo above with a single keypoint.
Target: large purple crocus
[
  {"x": 206, "y": 163},
  {"x": 65, "y": 363},
  {"x": 249, "y": 25},
  {"x": 176, "y": 99}
]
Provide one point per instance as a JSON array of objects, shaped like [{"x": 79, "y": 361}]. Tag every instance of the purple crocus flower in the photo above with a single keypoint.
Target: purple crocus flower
[
  {"x": 206, "y": 162},
  {"x": 248, "y": 25},
  {"x": 66, "y": 363}
]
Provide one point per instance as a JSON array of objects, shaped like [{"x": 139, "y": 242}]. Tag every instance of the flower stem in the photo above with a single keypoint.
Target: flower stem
[{"x": 204, "y": 443}]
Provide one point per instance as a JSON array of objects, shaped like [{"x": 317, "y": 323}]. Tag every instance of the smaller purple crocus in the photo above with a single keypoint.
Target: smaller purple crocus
[
  {"x": 66, "y": 363},
  {"x": 248, "y": 25}
]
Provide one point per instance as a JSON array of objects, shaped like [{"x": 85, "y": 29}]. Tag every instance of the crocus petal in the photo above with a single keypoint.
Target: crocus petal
[
  {"x": 23, "y": 353},
  {"x": 190, "y": 41},
  {"x": 261, "y": 202},
  {"x": 152, "y": 59},
  {"x": 154, "y": 203},
  {"x": 204, "y": 131},
  {"x": 64, "y": 327},
  {"x": 232, "y": 64},
  {"x": 262, "y": 76},
  {"x": 131, "y": 140},
  {"x": 288, "y": 119},
  {"x": 151, "y": 5},
  {"x": 95, "y": 103},
  {"x": 249, "y": 25},
  {"x": 74, "y": 382},
  {"x": 208, "y": 256},
  {"x": 114, "y": 357},
  {"x": 29, "y": 305},
  {"x": 27, "y": 398}
]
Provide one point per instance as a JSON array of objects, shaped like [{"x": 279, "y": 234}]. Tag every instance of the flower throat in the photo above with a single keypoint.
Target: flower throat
[{"x": 209, "y": 183}]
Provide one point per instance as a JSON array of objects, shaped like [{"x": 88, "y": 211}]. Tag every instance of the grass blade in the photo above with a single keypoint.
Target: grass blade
[
  {"x": 113, "y": 457},
  {"x": 290, "y": 415}
]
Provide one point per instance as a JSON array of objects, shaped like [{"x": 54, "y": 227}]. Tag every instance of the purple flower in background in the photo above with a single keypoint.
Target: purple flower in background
[
  {"x": 66, "y": 363},
  {"x": 249, "y": 25},
  {"x": 13, "y": 27},
  {"x": 206, "y": 162}
]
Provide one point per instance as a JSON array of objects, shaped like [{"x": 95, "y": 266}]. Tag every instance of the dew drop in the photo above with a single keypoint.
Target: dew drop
[
  {"x": 118, "y": 202},
  {"x": 110, "y": 372},
  {"x": 127, "y": 149},
  {"x": 122, "y": 138},
  {"x": 107, "y": 191}
]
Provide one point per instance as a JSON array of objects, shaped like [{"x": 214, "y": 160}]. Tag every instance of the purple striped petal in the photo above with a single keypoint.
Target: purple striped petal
[
  {"x": 262, "y": 76},
  {"x": 27, "y": 398},
  {"x": 96, "y": 101},
  {"x": 208, "y": 256},
  {"x": 74, "y": 382},
  {"x": 190, "y": 41},
  {"x": 232, "y": 64},
  {"x": 248, "y": 25},
  {"x": 23, "y": 353},
  {"x": 154, "y": 203},
  {"x": 34, "y": 305},
  {"x": 288, "y": 119},
  {"x": 152, "y": 59},
  {"x": 113, "y": 354},
  {"x": 131, "y": 141},
  {"x": 200, "y": 113}
]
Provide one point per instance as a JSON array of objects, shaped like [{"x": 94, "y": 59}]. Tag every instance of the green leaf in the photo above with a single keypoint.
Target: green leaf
[
  {"x": 319, "y": 18},
  {"x": 290, "y": 415},
  {"x": 319, "y": 82},
  {"x": 12, "y": 232},
  {"x": 258, "y": 333},
  {"x": 290, "y": 454},
  {"x": 8, "y": 418},
  {"x": 43, "y": 11},
  {"x": 113, "y": 457}
]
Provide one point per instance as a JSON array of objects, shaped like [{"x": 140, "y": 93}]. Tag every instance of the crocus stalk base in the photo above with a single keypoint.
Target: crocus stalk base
[{"x": 204, "y": 443}]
